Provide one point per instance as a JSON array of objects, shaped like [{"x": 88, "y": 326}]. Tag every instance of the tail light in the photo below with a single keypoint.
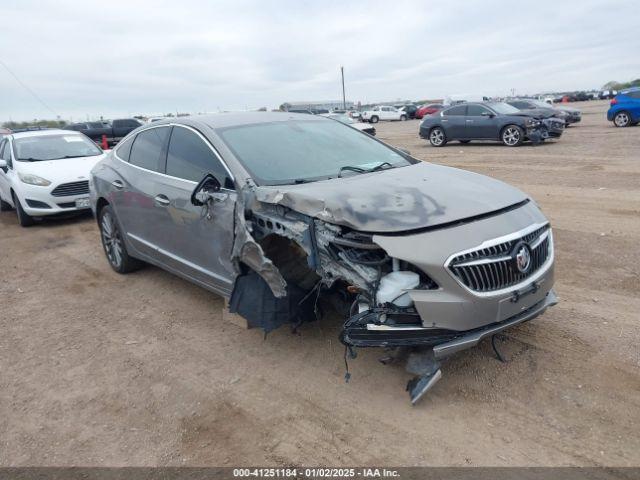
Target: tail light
[{"x": 614, "y": 101}]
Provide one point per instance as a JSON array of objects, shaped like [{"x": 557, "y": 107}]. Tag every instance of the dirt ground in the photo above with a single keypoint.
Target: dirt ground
[{"x": 102, "y": 369}]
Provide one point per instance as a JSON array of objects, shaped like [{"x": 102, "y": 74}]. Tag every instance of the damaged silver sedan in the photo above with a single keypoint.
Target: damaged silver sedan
[{"x": 290, "y": 215}]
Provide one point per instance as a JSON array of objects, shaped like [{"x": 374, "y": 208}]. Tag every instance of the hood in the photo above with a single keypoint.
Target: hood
[
  {"x": 61, "y": 171},
  {"x": 396, "y": 200},
  {"x": 535, "y": 113}
]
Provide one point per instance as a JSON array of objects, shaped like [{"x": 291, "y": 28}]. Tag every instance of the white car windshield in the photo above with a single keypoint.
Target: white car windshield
[
  {"x": 54, "y": 147},
  {"x": 297, "y": 151}
]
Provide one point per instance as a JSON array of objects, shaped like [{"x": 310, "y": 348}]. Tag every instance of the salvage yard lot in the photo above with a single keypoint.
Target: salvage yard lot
[{"x": 102, "y": 369}]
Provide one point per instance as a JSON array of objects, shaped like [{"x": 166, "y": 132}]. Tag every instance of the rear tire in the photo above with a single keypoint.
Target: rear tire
[
  {"x": 24, "y": 219},
  {"x": 512, "y": 136},
  {"x": 113, "y": 244},
  {"x": 622, "y": 119},
  {"x": 374, "y": 119},
  {"x": 437, "y": 137}
]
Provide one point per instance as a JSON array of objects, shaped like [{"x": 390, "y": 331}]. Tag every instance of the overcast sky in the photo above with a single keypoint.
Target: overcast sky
[{"x": 118, "y": 58}]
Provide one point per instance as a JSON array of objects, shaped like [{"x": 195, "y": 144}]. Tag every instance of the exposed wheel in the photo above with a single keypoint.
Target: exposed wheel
[
  {"x": 24, "y": 219},
  {"x": 403, "y": 118},
  {"x": 374, "y": 119},
  {"x": 464, "y": 141},
  {"x": 622, "y": 119},
  {"x": 4, "y": 206},
  {"x": 437, "y": 138},
  {"x": 512, "y": 136},
  {"x": 114, "y": 247}
]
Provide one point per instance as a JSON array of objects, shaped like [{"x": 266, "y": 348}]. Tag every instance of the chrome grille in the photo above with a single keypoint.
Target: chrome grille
[
  {"x": 490, "y": 269},
  {"x": 74, "y": 188}
]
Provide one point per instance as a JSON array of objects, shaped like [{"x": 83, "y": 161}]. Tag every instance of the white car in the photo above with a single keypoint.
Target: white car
[
  {"x": 383, "y": 112},
  {"x": 46, "y": 172}
]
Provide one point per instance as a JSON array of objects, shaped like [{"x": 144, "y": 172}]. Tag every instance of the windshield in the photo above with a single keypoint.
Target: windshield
[
  {"x": 296, "y": 151},
  {"x": 503, "y": 108},
  {"x": 54, "y": 147}
]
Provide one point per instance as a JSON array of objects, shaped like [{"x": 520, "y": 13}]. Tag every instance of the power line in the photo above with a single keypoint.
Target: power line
[{"x": 23, "y": 85}]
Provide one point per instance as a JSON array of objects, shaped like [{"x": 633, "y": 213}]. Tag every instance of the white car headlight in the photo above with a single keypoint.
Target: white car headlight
[{"x": 34, "y": 179}]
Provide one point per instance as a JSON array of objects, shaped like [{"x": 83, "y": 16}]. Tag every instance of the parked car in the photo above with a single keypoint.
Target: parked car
[
  {"x": 569, "y": 115},
  {"x": 383, "y": 112},
  {"x": 347, "y": 120},
  {"x": 409, "y": 109},
  {"x": 44, "y": 173},
  {"x": 429, "y": 109},
  {"x": 607, "y": 94},
  {"x": 114, "y": 130},
  {"x": 300, "y": 110},
  {"x": 278, "y": 211},
  {"x": 464, "y": 98},
  {"x": 488, "y": 121},
  {"x": 625, "y": 108},
  {"x": 4, "y": 132}
]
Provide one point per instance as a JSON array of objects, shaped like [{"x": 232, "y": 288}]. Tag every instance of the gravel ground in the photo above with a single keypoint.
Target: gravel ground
[{"x": 102, "y": 369}]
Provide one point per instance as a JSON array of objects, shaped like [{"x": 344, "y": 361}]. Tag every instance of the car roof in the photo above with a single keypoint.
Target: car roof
[
  {"x": 235, "y": 119},
  {"x": 629, "y": 90},
  {"x": 44, "y": 133}
]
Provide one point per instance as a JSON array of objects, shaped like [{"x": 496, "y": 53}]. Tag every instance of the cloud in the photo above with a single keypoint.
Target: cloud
[{"x": 122, "y": 57}]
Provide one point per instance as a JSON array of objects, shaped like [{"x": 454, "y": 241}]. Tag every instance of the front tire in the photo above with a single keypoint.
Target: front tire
[
  {"x": 113, "y": 244},
  {"x": 24, "y": 219},
  {"x": 622, "y": 119},
  {"x": 403, "y": 118},
  {"x": 512, "y": 136},
  {"x": 374, "y": 119},
  {"x": 437, "y": 137}
]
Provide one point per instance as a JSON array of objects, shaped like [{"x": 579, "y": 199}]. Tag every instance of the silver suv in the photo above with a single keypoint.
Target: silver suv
[{"x": 289, "y": 215}]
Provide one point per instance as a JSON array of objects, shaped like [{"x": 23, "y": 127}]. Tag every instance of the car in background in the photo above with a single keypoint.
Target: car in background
[
  {"x": 624, "y": 109},
  {"x": 487, "y": 121},
  {"x": 429, "y": 109},
  {"x": 409, "y": 109},
  {"x": 45, "y": 173},
  {"x": 347, "y": 120},
  {"x": 383, "y": 112},
  {"x": 4, "y": 132},
  {"x": 355, "y": 114},
  {"x": 569, "y": 115},
  {"x": 114, "y": 130},
  {"x": 300, "y": 110},
  {"x": 607, "y": 94}
]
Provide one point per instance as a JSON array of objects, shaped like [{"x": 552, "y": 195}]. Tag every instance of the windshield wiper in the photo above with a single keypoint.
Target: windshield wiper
[
  {"x": 31, "y": 159},
  {"x": 377, "y": 168},
  {"x": 351, "y": 169}
]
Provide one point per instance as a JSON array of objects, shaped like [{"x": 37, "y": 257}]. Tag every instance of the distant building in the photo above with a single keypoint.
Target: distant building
[{"x": 316, "y": 105}]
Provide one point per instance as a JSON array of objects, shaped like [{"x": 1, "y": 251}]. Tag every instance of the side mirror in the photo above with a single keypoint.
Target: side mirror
[
  {"x": 487, "y": 114},
  {"x": 3, "y": 164},
  {"x": 203, "y": 191}
]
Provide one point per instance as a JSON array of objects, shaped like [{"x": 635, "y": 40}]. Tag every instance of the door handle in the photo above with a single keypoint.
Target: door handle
[
  {"x": 118, "y": 184},
  {"x": 162, "y": 200},
  {"x": 470, "y": 121}
]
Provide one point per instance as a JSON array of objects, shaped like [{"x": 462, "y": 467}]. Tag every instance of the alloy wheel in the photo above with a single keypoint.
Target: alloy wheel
[
  {"x": 621, "y": 119},
  {"x": 436, "y": 136},
  {"x": 511, "y": 136},
  {"x": 111, "y": 240}
]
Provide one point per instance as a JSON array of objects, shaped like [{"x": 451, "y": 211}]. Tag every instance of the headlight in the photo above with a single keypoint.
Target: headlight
[
  {"x": 34, "y": 179},
  {"x": 532, "y": 122}
]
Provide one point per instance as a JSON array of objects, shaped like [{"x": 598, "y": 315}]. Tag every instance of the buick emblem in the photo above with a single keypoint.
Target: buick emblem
[{"x": 521, "y": 257}]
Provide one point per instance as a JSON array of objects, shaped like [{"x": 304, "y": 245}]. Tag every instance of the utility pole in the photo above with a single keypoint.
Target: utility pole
[{"x": 344, "y": 99}]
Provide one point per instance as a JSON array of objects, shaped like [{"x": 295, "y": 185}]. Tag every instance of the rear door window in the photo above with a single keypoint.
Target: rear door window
[
  {"x": 189, "y": 157},
  {"x": 148, "y": 148},
  {"x": 457, "y": 110},
  {"x": 123, "y": 150}
]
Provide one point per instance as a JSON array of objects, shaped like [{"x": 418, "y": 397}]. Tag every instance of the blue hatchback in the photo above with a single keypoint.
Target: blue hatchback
[{"x": 625, "y": 108}]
